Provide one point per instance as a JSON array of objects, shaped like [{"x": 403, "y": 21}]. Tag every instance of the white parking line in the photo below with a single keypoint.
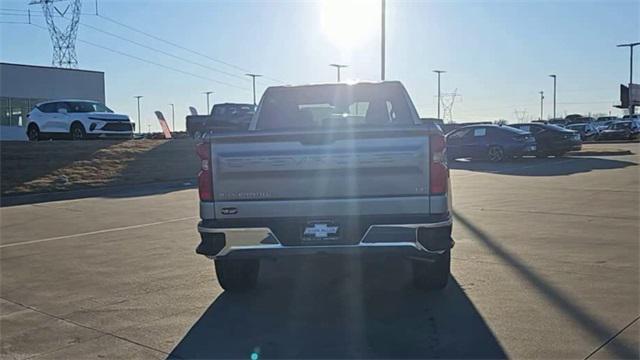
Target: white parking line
[{"x": 96, "y": 232}]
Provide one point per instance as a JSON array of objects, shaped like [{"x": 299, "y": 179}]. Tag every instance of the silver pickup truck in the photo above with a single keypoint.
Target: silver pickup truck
[{"x": 333, "y": 169}]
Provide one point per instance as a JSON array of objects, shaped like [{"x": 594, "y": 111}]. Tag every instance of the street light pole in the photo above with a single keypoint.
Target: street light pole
[
  {"x": 439, "y": 72},
  {"x": 138, "y": 97},
  {"x": 253, "y": 77},
  {"x": 338, "y": 67},
  {"x": 382, "y": 41},
  {"x": 541, "y": 104},
  {"x": 173, "y": 117},
  {"x": 207, "y": 93},
  {"x": 554, "y": 94},
  {"x": 630, "y": 46}
]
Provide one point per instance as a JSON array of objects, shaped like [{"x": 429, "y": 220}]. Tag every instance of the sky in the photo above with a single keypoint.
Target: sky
[{"x": 497, "y": 54}]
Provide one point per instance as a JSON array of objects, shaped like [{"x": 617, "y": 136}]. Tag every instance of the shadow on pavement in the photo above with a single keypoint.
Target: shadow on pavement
[
  {"x": 598, "y": 330},
  {"x": 340, "y": 308},
  {"x": 542, "y": 167}
]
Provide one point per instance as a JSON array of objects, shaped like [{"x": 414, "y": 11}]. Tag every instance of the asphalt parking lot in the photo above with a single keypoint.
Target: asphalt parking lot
[{"x": 546, "y": 265}]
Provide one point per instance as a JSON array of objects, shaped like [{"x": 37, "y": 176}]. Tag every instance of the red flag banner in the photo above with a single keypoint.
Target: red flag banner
[{"x": 163, "y": 125}]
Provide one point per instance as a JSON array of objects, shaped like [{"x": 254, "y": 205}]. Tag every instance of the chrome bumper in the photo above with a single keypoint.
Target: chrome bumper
[{"x": 257, "y": 240}]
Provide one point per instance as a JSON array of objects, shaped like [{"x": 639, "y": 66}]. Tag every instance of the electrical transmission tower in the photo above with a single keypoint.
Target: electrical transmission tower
[
  {"x": 448, "y": 100},
  {"x": 63, "y": 36},
  {"x": 521, "y": 115}
]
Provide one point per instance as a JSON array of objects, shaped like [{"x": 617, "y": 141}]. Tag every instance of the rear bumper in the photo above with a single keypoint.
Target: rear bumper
[
  {"x": 417, "y": 240},
  {"x": 561, "y": 147},
  {"x": 575, "y": 147},
  {"x": 613, "y": 136}
]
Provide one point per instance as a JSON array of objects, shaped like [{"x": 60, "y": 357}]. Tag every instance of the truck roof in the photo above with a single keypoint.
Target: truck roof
[
  {"x": 387, "y": 82},
  {"x": 234, "y": 104}
]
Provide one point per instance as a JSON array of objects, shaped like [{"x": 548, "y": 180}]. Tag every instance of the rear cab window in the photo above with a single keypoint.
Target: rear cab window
[{"x": 335, "y": 107}]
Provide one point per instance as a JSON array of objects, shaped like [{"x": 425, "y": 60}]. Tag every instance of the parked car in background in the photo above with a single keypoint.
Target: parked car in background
[
  {"x": 556, "y": 122},
  {"x": 603, "y": 122},
  {"x": 631, "y": 117},
  {"x": 223, "y": 117},
  {"x": 449, "y": 127},
  {"x": 621, "y": 130},
  {"x": 607, "y": 118},
  {"x": 76, "y": 119},
  {"x": 587, "y": 131},
  {"x": 492, "y": 142},
  {"x": 581, "y": 120},
  {"x": 551, "y": 139}
]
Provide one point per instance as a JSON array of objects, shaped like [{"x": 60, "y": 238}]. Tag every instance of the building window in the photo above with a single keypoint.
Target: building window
[
  {"x": 5, "y": 112},
  {"x": 13, "y": 111}
]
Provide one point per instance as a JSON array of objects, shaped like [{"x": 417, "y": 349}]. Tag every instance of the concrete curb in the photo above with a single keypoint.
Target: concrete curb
[{"x": 108, "y": 191}]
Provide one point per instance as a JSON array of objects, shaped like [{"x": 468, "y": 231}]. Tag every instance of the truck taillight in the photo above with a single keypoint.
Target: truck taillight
[
  {"x": 438, "y": 169},
  {"x": 205, "y": 185}
]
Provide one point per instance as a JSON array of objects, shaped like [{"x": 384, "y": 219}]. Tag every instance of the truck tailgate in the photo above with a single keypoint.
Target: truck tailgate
[{"x": 320, "y": 165}]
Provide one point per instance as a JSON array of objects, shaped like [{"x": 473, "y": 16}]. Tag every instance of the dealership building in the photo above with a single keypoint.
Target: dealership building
[{"x": 23, "y": 86}]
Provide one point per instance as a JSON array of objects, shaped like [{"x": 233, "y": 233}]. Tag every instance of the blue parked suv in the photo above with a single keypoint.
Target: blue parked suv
[{"x": 492, "y": 142}]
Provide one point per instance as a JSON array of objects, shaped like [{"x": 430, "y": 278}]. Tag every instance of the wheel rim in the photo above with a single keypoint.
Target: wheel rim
[
  {"x": 33, "y": 133},
  {"x": 495, "y": 154},
  {"x": 77, "y": 133}
]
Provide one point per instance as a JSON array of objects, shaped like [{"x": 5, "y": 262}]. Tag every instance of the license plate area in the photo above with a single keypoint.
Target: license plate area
[{"x": 321, "y": 231}]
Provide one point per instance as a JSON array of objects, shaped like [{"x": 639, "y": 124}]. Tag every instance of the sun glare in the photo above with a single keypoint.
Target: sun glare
[{"x": 347, "y": 23}]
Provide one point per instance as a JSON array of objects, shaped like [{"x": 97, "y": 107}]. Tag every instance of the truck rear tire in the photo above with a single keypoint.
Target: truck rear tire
[
  {"x": 432, "y": 276},
  {"x": 237, "y": 275}
]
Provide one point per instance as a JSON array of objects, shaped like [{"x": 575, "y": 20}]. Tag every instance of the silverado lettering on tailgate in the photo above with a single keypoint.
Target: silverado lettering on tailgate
[{"x": 318, "y": 161}]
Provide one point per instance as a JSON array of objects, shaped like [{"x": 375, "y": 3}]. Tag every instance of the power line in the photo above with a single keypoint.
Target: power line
[
  {"x": 166, "y": 42},
  {"x": 163, "y": 52},
  {"x": 181, "y": 47},
  {"x": 26, "y": 12},
  {"x": 13, "y": 14},
  {"x": 153, "y": 49},
  {"x": 161, "y": 65},
  {"x": 151, "y": 62}
]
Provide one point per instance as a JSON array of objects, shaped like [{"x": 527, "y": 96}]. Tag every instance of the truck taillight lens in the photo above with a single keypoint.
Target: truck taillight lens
[
  {"x": 205, "y": 185},
  {"x": 438, "y": 169}
]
